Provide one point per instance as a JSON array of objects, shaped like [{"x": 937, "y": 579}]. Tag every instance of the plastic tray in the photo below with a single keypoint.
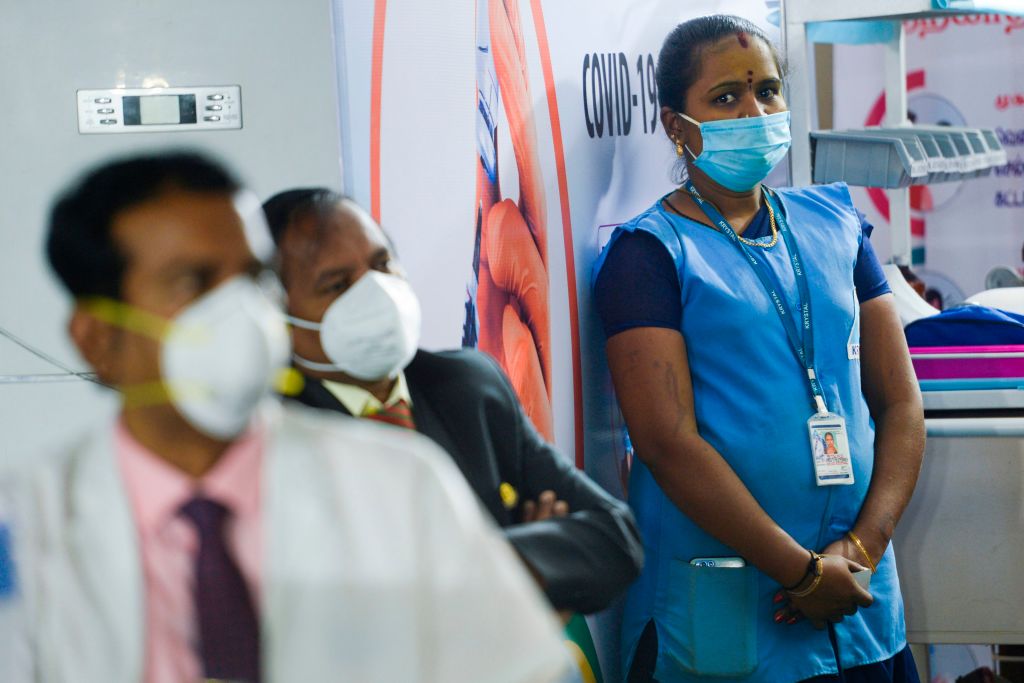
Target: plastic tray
[
  {"x": 997, "y": 155},
  {"x": 977, "y": 144},
  {"x": 867, "y": 159},
  {"x": 974, "y": 160},
  {"x": 940, "y": 168},
  {"x": 945, "y": 168},
  {"x": 957, "y": 163}
]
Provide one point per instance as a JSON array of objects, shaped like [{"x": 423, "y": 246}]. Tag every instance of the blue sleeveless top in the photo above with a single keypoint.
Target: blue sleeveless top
[{"x": 752, "y": 402}]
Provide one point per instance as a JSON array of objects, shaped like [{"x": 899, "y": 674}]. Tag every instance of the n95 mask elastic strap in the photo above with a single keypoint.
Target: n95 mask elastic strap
[{"x": 219, "y": 356}]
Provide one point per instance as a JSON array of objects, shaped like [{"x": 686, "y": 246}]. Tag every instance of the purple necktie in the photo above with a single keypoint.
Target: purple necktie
[{"x": 229, "y": 638}]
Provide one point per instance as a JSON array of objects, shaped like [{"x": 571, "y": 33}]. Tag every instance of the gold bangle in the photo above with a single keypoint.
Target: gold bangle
[
  {"x": 819, "y": 570},
  {"x": 863, "y": 550}
]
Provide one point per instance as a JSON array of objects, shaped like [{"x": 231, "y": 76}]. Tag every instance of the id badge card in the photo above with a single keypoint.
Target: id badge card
[{"x": 833, "y": 464}]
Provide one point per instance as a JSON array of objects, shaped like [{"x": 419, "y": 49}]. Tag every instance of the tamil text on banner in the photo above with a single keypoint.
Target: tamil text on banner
[{"x": 962, "y": 70}]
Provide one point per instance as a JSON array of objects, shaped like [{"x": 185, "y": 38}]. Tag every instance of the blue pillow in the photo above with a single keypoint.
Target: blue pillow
[{"x": 967, "y": 325}]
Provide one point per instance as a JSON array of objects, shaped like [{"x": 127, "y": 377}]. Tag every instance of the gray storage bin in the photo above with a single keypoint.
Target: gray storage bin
[
  {"x": 949, "y": 165},
  {"x": 942, "y": 137},
  {"x": 980, "y": 150},
  {"x": 940, "y": 169},
  {"x": 997, "y": 155},
  {"x": 867, "y": 158},
  {"x": 972, "y": 160}
]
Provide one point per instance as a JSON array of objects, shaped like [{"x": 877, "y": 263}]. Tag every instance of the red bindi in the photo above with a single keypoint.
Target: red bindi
[{"x": 742, "y": 37}]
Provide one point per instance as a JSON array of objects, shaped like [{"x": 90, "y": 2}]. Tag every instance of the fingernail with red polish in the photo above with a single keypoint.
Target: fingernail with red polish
[
  {"x": 792, "y": 620},
  {"x": 778, "y": 618},
  {"x": 778, "y": 597}
]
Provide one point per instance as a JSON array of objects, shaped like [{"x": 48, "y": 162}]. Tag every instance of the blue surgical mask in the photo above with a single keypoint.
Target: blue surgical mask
[{"x": 740, "y": 153}]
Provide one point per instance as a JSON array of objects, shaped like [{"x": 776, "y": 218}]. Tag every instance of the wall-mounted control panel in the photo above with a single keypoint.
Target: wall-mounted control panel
[{"x": 159, "y": 110}]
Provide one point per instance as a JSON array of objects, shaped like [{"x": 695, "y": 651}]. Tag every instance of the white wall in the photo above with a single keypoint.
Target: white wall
[{"x": 282, "y": 55}]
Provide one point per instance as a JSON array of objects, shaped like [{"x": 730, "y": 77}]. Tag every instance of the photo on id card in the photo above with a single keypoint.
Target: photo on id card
[{"x": 832, "y": 461}]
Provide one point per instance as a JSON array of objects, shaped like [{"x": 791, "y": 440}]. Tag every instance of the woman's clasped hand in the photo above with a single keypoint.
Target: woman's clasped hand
[{"x": 828, "y": 597}]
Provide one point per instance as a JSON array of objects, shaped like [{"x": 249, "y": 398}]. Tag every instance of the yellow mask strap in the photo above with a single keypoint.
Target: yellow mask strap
[
  {"x": 288, "y": 381},
  {"x": 146, "y": 394},
  {"x": 126, "y": 316}
]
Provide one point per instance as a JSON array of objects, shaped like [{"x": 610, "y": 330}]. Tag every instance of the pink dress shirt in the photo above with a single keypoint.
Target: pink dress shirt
[{"x": 169, "y": 544}]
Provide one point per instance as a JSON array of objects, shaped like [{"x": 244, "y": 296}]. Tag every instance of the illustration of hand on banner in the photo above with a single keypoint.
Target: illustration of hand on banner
[{"x": 512, "y": 305}]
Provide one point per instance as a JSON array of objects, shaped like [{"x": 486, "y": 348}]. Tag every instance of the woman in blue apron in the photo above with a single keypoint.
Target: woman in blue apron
[{"x": 744, "y": 325}]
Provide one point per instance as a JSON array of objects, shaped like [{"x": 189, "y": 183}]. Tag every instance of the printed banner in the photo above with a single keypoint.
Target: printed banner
[
  {"x": 961, "y": 71},
  {"x": 499, "y": 143}
]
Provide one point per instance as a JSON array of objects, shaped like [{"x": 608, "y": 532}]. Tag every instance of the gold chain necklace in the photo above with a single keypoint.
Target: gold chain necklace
[
  {"x": 771, "y": 222},
  {"x": 752, "y": 243}
]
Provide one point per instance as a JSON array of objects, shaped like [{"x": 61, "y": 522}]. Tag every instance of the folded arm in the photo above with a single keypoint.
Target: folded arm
[{"x": 586, "y": 558}]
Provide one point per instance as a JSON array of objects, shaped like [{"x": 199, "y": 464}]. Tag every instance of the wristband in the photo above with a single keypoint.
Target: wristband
[{"x": 814, "y": 566}]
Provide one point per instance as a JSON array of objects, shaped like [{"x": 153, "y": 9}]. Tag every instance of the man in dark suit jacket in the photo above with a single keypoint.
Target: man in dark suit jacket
[{"x": 580, "y": 543}]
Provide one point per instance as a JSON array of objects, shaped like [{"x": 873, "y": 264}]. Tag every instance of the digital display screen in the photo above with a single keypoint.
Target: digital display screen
[{"x": 148, "y": 110}]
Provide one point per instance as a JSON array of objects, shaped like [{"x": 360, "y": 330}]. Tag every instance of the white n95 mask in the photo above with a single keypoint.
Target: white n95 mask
[
  {"x": 371, "y": 331},
  {"x": 221, "y": 356}
]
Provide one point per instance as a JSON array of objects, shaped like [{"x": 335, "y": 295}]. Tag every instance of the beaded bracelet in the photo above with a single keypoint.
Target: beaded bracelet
[
  {"x": 863, "y": 550},
  {"x": 818, "y": 562}
]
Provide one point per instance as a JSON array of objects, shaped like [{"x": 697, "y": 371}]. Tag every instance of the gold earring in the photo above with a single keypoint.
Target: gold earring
[{"x": 679, "y": 148}]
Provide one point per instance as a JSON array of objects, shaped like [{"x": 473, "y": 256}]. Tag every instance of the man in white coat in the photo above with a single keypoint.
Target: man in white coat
[{"x": 206, "y": 532}]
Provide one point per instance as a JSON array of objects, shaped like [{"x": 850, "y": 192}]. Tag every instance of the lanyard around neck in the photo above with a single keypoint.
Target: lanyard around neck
[{"x": 802, "y": 345}]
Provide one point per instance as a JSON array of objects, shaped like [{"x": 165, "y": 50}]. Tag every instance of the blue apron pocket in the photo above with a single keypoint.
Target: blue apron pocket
[{"x": 710, "y": 627}]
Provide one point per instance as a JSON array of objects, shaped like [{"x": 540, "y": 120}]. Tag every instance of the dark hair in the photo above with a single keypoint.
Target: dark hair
[
  {"x": 79, "y": 244},
  {"x": 285, "y": 207},
  {"x": 679, "y": 60}
]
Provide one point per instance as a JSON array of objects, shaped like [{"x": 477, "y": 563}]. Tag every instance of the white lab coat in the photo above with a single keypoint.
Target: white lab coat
[{"x": 379, "y": 567}]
